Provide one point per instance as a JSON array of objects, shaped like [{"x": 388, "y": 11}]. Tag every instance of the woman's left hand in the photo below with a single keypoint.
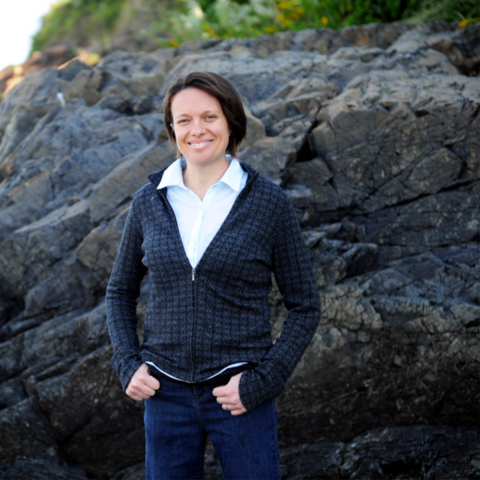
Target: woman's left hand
[{"x": 229, "y": 397}]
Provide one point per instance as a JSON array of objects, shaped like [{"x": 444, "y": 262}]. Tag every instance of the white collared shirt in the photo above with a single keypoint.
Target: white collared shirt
[{"x": 199, "y": 221}]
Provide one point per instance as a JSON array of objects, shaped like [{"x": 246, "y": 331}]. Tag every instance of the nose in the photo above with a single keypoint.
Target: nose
[{"x": 197, "y": 128}]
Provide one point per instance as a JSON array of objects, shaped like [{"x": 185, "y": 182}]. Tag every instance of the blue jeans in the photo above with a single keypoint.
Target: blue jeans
[{"x": 178, "y": 419}]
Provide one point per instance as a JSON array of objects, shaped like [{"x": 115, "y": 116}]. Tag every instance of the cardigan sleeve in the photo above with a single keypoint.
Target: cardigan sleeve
[
  {"x": 122, "y": 293},
  {"x": 296, "y": 281}
]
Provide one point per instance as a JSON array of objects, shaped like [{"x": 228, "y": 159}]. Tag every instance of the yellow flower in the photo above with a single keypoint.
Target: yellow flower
[
  {"x": 270, "y": 29},
  {"x": 464, "y": 23},
  {"x": 284, "y": 5},
  {"x": 284, "y": 21},
  {"x": 295, "y": 16},
  {"x": 173, "y": 43},
  {"x": 324, "y": 21},
  {"x": 300, "y": 10}
]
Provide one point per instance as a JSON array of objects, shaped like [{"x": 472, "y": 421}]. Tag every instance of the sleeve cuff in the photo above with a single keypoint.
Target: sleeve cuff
[
  {"x": 256, "y": 387},
  {"x": 125, "y": 368}
]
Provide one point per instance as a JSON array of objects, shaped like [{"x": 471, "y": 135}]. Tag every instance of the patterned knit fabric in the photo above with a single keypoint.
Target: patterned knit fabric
[{"x": 199, "y": 321}]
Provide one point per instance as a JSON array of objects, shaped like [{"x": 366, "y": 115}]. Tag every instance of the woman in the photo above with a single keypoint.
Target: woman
[{"x": 209, "y": 231}]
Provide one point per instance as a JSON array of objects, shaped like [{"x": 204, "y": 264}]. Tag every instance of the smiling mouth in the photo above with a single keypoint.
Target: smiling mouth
[{"x": 200, "y": 144}]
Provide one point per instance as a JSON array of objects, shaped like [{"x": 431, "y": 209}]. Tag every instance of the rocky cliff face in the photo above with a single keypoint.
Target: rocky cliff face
[{"x": 374, "y": 132}]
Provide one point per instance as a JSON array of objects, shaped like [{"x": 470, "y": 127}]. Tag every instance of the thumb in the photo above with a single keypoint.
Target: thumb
[{"x": 219, "y": 391}]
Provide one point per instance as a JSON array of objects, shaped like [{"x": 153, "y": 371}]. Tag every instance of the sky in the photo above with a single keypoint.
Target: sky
[{"x": 19, "y": 21}]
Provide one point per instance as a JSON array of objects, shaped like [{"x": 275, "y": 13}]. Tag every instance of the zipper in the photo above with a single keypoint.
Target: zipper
[{"x": 192, "y": 344}]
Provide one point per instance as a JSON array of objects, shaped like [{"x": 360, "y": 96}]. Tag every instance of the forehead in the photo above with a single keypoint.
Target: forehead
[{"x": 193, "y": 100}]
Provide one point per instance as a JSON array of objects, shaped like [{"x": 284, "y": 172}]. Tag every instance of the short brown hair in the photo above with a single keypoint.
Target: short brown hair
[{"x": 223, "y": 91}]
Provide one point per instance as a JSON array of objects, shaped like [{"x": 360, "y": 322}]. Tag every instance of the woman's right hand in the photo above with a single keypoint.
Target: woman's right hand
[{"x": 142, "y": 385}]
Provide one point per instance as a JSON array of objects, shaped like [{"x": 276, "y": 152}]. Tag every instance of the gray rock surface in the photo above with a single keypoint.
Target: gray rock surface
[
  {"x": 401, "y": 452},
  {"x": 373, "y": 132},
  {"x": 39, "y": 470}
]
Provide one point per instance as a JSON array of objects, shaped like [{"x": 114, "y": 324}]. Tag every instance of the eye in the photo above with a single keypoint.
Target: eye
[
  {"x": 183, "y": 120},
  {"x": 210, "y": 117}
]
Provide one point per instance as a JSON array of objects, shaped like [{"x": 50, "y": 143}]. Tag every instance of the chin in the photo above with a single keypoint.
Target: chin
[{"x": 204, "y": 159}]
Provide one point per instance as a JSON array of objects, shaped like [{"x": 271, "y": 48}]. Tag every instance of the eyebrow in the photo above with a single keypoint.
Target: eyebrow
[{"x": 203, "y": 113}]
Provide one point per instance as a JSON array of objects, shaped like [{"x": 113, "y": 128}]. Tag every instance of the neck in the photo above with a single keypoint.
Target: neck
[{"x": 199, "y": 178}]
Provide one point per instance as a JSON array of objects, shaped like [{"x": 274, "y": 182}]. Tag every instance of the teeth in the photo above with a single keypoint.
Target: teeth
[{"x": 195, "y": 145}]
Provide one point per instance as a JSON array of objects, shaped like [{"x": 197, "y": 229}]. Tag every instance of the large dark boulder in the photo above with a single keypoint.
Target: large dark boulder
[{"x": 373, "y": 132}]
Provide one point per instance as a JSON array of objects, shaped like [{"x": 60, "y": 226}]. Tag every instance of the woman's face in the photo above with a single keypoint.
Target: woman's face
[{"x": 201, "y": 129}]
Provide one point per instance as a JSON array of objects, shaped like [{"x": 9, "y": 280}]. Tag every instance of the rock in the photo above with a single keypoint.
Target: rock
[
  {"x": 55, "y": 187},
  {"x": 43, "y": 243},
  {"x": 300, "y": 98},
  {"x": 11, "y": 392},
  {"x": 255, "y": 79},
  {"x": 255, "y": 129},
  {"x": 22, "y": 123},
  {"x": 97, "y": 252},
  {"x": 39, "y": 470},
  {"x": 448, "y": 218},
  {"x": 5, "y": 75},
  {"x": 26, "y": 433},
  {"x": 137, "y": 472},
  {"x": 319, "y": 460},
  {"x": 414, "y": 452},
  {"x": 381, "y": 332},
  {"x": 53, "y": 56},
  {"x": 461, "y": 46},
  {"x": 327, "y": 41},
  {"x": 270, "y": 156},
  {"x": 373, "y": 132},
  {"x": 259, "y": 78},
  {"x": 128, "y": 74},
  {"x": 110, "y": 141},
  {"x": 196, "y": 46},
  {"x": 50, "y": 57},
  {"x": 316, "y": 175},
  {"x": 93, "y": 418},
  {"x": 466, "y": 42},
  {"x": 367, "y": 148},
  {"x": 36, "y": 96},
  {"x": 77, "y": 80},
  {"x": 106, "y": 197}
]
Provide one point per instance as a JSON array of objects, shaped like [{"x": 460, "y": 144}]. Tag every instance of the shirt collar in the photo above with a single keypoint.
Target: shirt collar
[
  {"x": 172, "y": 176},
  {"x": 233, "y": 176}
]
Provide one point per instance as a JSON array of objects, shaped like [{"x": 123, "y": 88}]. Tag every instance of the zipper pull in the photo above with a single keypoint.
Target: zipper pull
[{"x": 193, "y": 274}]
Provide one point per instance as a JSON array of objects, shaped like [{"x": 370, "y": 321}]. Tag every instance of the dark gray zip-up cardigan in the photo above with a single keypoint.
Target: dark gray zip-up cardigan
[{"x": 199, "y": 321}]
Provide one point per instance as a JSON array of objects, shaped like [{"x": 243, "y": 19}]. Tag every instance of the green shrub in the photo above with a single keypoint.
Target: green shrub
[
  {"x": 448, "y": 10},
  {"x": 79, "y": 19},
  {"x": 171, "y": 22},
  {"x": 248, "y": 18}
]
